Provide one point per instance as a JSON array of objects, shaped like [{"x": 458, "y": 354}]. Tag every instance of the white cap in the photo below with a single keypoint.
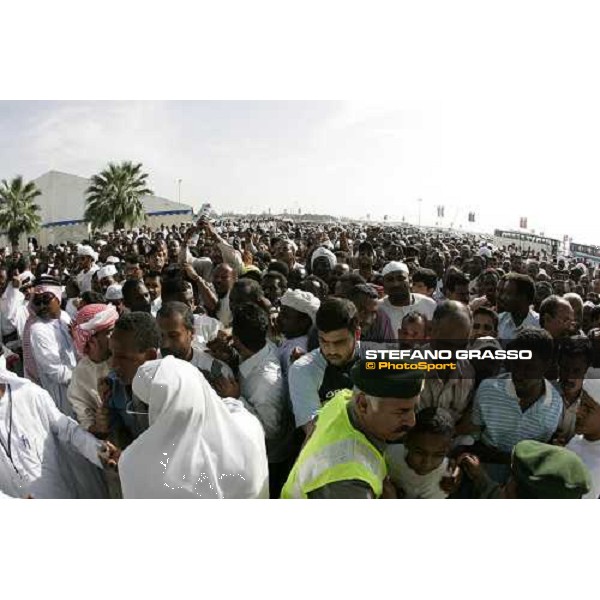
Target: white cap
[
  {"x": 87, "y": 251},
  {"x": 303, "y": 302},
  {"x": 323, "y": 253},
  {"x": 592, "y": 388},
  {"x": 107, "y": 271},
  {"x": 114, "y": 292},
  {"x": 113, "y": 260},
  {"x": 394, "y": 266}
]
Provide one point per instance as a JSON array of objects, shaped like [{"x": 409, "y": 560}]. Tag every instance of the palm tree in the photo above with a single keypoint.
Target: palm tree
[
  {"x": 19, "y": 214},
  {"x": 115, "y": 196}
]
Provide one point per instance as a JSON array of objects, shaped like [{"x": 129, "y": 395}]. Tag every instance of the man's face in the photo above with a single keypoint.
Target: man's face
[
  {"x": 517, "y": 264},
  {"x": 105, "y": 282},
  {"x": 272, "y": 288},
  {"x": 426, "y": 451},
  {"x": 337, "y": 346},
  {"x": 284, "y": 251},
  {"x": 85, "y": 262},
  {"x": 292, "y": 323},
  {"x": 139, "y": 298},
  {"x": 419, "y": 287},
  {"x": 367, "y": 312},
  {"x": 154, "y": 287},
  {"x": 527, "y": 374},
  {"x": 560, "y": 287},
  {"x": 321, "y": 268},
  {"x": 460, "y": 293},
  {"x": 450, "y": 333},
  {"x": 125, "y": 358},
  {"x": 572, "y": 371},
  {"x": 397, "y": 286},
  {"x": 133, "y": 271},
  {"x": 475, "y": 266},
  {"x": 98, "y": 346},
  {"x": 533, "y": 269},
  {"x": 46, "y": 305},
  {"x": 483, "y": 326},
  {"x": 174, "y": 249},
  {"x": 223, "y": 279},
  {"x": 3, "y": 278},
  {"x": 512, "y": 301},
  {"x": 387, "y": 419},
  {"x": 489, "y": 287},
  {"x": 587, "y": 421},
  {"x": 157, "y": 261},
  {"x": 176, "y": 339},
  {"x": 365, "y": 263},
  {"x": 561, "y": 324}
]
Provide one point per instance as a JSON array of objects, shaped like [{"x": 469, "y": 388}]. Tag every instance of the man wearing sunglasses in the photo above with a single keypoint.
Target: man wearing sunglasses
[{"x": 48, "y": 351}]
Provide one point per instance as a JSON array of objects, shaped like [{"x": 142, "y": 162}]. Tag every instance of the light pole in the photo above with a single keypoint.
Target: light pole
[
  {"x": 179, "y": 191},
  {"x": 420, "y": 200}
]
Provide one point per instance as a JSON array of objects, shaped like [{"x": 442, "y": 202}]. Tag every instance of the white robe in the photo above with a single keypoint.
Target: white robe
[
  {"x": 48, "y": 449},
  {"x": 197, "y": 445},
  {"x": 54, "y": 355}
]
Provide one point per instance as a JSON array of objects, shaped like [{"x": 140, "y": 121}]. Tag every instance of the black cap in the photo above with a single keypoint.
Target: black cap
[{"x": 388, "y": 383}]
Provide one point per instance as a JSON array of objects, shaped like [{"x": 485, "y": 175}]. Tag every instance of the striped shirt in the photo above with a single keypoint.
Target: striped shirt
[{"x": 497, "y": 411}]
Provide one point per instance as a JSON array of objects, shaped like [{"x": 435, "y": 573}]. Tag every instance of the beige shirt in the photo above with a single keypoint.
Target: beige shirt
[
  {"x": 83, "y": 390},
  {"x": 455, "y": 394}
]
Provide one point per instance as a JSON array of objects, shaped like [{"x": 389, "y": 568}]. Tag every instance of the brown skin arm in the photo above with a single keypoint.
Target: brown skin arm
[{"x": 209, "y": 298}]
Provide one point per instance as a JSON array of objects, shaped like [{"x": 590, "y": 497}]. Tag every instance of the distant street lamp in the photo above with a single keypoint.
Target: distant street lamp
[
  {"x": 420, "y": 200},
  {"x": 179, "y": 191}
]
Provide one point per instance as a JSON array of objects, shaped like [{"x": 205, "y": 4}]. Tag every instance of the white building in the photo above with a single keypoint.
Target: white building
[{"x": 62, "y": 204}]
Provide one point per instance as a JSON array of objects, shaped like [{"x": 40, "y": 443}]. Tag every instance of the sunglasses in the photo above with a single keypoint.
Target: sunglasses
[{"x": 43, "y": 299}]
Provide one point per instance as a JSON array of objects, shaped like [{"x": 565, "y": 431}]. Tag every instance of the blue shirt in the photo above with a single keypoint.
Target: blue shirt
[{"x": 497, "y": 411}]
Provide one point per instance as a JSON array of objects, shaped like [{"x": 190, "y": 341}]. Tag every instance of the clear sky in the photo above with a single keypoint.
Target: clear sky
[{"x": 501, "y": 153}]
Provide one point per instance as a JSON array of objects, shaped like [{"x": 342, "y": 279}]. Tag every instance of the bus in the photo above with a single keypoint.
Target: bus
[
  {"x": 585, "y": 252},
  {"x": 526, "y": 241}
]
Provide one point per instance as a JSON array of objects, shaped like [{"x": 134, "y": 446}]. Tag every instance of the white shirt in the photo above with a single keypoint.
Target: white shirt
[
  {"x": 507, "y": 330},
  {"x": 413, "y": 485},
  {"x": 224, "y": 312},
  {"x": 39, "y": 430},
  {"x": 210, "y": 367},
  {"x": 84, "y": 279},
  {"x": 205, "y": 329},
  {"x": 264, "y": 395},
  {"x": 589, "y": 452},
  {"x": 418, "y": 303},
  {"x": 155, "y": 306},
  {"x": 14, "y": 312}
]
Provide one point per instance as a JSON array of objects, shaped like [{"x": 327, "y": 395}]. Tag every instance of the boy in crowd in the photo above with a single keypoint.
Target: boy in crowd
[
  {"x": 418, "y": 467},
  {"x": 413, "y": 331}
]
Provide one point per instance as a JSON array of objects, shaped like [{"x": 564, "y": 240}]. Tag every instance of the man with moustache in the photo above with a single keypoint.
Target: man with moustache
[
  {"x": 399, "y": 301},
  {"x": 343, "y": 458}
]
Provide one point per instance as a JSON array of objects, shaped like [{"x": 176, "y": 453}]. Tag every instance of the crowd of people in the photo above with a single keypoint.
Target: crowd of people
[{"x": 222, "y": 359}]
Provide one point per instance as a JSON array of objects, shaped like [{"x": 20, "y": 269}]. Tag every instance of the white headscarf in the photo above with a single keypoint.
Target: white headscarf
[
  {"x": 303, "y": 302},
  {"x": 197, "y": 445},
  {"x": 322, "y": 252}
]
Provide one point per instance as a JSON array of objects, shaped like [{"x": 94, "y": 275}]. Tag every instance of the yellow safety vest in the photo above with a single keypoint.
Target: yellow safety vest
[{"x": 336, "y": 451}]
